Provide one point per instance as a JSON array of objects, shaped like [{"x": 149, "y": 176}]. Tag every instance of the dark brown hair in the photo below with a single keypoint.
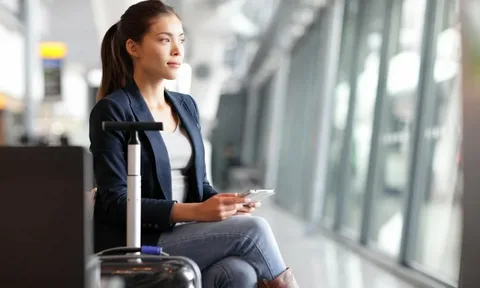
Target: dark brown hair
[{"x": 117, "y": 66}]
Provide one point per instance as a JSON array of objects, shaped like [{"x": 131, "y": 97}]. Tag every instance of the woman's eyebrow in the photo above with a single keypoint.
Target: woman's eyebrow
[{"x": 170, "y": 34}]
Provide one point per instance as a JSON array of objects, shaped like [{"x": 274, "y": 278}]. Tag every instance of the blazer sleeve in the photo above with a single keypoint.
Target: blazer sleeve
[
  {"x": 208, "y": 190},
  {"x": 110, "y": 169}
]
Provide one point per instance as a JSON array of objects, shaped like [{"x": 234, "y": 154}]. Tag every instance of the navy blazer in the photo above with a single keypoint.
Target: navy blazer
[{"x": 109, "y": 151}]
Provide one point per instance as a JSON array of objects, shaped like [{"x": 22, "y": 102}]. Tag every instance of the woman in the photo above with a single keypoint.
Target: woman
[{"x": 139, "y": 53}]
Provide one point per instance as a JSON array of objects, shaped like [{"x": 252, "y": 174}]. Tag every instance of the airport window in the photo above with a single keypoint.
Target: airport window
[
  {"x": 438, "y": 235},
  {"x": 308, "y": 128},
  {"x": 287, "y": 179},
  {"x": 299, "y": 127},
  {"x": 368, "y": 53},
  {"x": 261, "y": 132},
  {"x": 340, "y": 109},
  {"x": 395, "y": 138}
]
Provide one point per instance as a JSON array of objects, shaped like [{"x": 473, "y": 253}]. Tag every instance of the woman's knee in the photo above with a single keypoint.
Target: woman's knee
[
  {"x": 252, "y": 226},
  {"x": 230, "y": 272}
]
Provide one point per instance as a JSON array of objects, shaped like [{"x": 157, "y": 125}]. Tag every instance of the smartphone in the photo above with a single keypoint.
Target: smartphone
[{"x": 257, "y": 195}]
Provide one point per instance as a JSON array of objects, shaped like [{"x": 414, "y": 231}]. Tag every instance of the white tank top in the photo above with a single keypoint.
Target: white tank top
[{"x": 180, "y": 155}]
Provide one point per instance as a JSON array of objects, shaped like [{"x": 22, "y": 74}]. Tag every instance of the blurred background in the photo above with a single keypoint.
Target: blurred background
[{"x": 351, "y": 110}]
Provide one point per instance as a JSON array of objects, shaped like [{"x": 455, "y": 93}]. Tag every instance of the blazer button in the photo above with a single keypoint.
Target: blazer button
[{"x": 155, "y": 226}]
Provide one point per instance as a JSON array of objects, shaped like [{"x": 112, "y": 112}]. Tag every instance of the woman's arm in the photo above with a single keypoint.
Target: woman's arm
[
  {"x": 184, "y": 212},
  {"x": 110, "y": 168}
]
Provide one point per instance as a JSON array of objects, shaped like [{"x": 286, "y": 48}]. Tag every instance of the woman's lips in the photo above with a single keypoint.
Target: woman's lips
[{"x": 174, "y": 64}]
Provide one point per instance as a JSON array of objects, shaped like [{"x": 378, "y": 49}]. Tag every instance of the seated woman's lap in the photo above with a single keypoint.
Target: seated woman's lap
[{"x": 248, "y": 237}]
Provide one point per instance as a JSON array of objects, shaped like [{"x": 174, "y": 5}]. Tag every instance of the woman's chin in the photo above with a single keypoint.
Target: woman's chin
[{"x": 170, "y": 76}]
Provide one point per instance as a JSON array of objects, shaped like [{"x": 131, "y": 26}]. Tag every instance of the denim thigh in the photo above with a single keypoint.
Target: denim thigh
[{"x": 248, "y": 237}]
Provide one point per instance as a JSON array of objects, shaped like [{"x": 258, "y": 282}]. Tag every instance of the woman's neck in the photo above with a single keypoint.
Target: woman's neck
[{"x": 153, "y": 91}]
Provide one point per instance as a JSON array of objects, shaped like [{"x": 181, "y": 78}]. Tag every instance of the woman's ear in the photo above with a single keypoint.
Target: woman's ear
[{"x": 132, "y": 48}]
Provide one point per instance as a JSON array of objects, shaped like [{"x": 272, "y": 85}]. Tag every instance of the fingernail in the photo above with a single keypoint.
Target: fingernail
[{"x": 248, "y": 200}]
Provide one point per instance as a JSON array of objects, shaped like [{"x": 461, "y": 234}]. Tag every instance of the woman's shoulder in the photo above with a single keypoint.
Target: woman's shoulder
[
  {"x": 117, "y": 97},
  {"x": 114, "y": 105}
]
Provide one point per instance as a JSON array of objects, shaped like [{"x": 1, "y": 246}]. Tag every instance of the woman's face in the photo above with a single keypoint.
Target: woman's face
[{"x": 160, "y": 53}]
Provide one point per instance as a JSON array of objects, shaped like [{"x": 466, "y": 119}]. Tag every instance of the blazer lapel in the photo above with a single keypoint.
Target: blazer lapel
[{"x": 142, "y": 113}]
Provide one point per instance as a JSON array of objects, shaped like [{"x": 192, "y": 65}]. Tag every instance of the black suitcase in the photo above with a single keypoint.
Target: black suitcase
[
  {"x": 146, "y": 266},
  {"x": 148, "y": 271}
]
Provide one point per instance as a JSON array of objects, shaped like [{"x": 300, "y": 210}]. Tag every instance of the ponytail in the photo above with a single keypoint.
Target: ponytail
[{"x": 117, "y": 67}]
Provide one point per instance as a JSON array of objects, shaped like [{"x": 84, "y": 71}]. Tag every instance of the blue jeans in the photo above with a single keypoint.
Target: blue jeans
[{"x": 236, "y": 252}]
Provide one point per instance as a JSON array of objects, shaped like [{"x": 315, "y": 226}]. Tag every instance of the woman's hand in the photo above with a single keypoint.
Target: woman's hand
[
  {"x": 248, "y": 209},
  {"x": 219, "y": 207}
]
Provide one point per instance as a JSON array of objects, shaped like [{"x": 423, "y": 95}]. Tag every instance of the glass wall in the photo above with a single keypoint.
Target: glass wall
[
  {"x": 438, "y": 235},
  {"x": 395, "y": 137},
  {"x": 298, "y": 127},
  {"x": 261, "y": 132},
  {"x": 370, "y": 42},
  {"x": 394, "y": 181},
  {"x": 394, "y": 166},
  {"x": 340, "y": 108}
]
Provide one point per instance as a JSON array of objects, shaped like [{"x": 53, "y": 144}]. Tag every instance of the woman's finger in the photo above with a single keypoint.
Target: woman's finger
[
  {"x": 242, "y": 213},
  {"x": 257, "y": 204},
  {"x": 247, "y": 209},
  {"x": 254, "y": 204},
  {"x": 228, "y": 207},
  {"x": 227, "y": 214}
]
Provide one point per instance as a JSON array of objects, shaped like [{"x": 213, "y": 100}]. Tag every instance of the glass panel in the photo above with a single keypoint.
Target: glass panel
[
  {"x": 309, "y": 127},
  {"x": 394, "y": 146},
  {"x": 366, "y": 92},
  {"x": 284, "y": 179},
  {"x": 439, "y": 229},
  {"x": 340, "y": 108},
  {"x": 262, "y": 124},
  {"x": 294, "y": 120}
]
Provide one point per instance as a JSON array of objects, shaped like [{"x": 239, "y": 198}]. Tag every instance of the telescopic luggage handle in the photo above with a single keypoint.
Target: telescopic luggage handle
[
  {"x": 132, "y": 126},
  {"x": 134, "y": 178}
]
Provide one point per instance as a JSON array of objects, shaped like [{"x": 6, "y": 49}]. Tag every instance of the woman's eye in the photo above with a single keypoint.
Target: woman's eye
[
  {"x": 165, "y": 40},
  {"x": 182, "y": 40}
]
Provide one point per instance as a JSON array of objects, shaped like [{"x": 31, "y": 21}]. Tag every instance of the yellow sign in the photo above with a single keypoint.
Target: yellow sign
[
  {"x": 3, "y": 101},
  {"x": 53, "y": 50}
]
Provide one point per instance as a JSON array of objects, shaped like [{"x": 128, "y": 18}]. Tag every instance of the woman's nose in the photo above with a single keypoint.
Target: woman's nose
[{"x": 176, "y": 50}]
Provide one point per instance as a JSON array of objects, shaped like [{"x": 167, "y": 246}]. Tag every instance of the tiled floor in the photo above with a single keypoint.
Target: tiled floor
[{"x": 319, "y": 262}]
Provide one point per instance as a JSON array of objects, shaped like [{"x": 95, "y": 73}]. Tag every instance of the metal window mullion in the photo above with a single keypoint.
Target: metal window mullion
[
  {"x": 311, "y": 134},
  {"x": 393, "y": 18},
  {"x": 277, "y": 104},
  {"x": 415, "y": 191},
  {"x": 333, "y": 18},
  {"x": 314, "y": 42},
  {"x": 331, "y": 172},
  {"x": 303, "y": 89},
  {"x": 285, "y": 179},
  {"x": 344, "y": 166}
]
